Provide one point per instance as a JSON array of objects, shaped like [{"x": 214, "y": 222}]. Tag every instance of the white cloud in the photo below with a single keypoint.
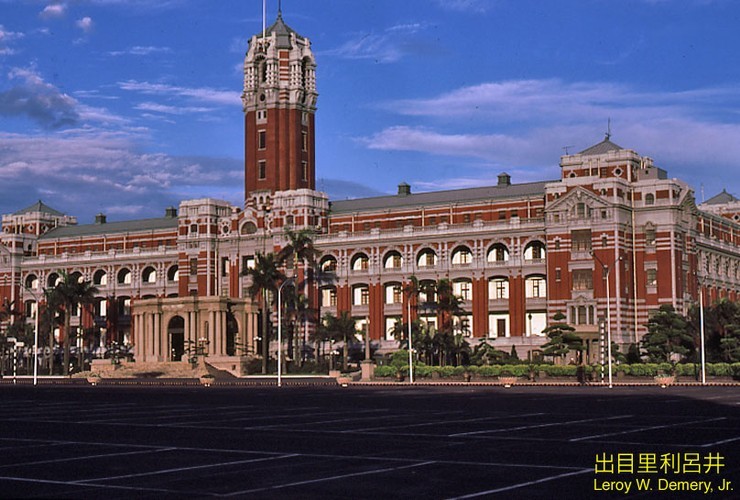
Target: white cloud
[
  {"x": 171, "y": 110},
  {"x": 141, "y": 51},
  {"x": 53, "y": 10},
  {"x": 91, "y": 170},
  {"x": 85, "y": 24},
  {"x": 386, "y": 47},
  {"x": 204, "y": 94},
  {"x": 527, "y": 123},
  {"x": 475, "y": 6}
]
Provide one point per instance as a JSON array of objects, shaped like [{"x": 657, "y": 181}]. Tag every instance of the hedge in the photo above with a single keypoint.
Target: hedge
[{"x": 523, "y": 370}]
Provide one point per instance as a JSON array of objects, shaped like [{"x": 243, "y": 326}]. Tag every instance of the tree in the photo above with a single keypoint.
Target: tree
[
  {"x": 300, "y": 247},
  {"x": 265, "y": 276},
  {"x": 341, "y": 327},
  {"x": 563, "y": 339},
  {"x": 70, "y": 293},
  {"x": 724, "y": 319},
  {"x": 447, "y": 305},
  {"x": 667, "y": 335}
]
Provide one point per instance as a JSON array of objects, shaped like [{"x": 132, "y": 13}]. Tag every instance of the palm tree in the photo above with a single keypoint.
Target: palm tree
[
  {"x": 265, "y": 279},
  {"x": 69, "y": 293},
  {"x": 341, "y": 327},
  {"x": 300, "y": 247}
]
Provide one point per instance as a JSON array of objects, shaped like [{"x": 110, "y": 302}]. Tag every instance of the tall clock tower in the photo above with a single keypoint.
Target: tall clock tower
[{"x": 279, "y": 102}]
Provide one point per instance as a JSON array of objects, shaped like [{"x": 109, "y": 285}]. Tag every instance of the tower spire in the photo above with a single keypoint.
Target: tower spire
[{"x": 608, "y": 129}]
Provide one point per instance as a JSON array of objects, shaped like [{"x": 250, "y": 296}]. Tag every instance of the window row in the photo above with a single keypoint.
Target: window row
[
  {"x": 100, "y": 277},
  {"x": 461, "y": 255},
  {"x": 535, "y": 287}
]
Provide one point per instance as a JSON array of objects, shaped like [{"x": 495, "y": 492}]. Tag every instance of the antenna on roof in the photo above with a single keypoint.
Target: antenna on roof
[
  {"x": 280, "y": 8},
  {"x": 608, "y": 129},
  {"x": 566, "y": 148},
  {"x": 264, "y": 19}
]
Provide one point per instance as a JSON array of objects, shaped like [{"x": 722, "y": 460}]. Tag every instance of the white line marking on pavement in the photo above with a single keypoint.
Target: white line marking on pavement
[
  {"x": 522, "y": 485},
  {"x": 331, "y": 478},
  {"x": 641, "y": 429},
  {"x": 538, "y": 426}
]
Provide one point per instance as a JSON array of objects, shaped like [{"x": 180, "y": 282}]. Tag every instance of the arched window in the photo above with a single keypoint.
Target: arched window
[
  {"x": 329, "y": 264},
  {"x": 498, "y": 253},
  {"x": 360, "y": 262},
  {"x": 173, "y": 273},
  {"x": 462, "y": 256},
  {"x": 534, "y": 251},
  {"x": 149, "y": 275},
  {"x": 249, "y": 228},
  {"x": 649, "y": 199},
  {"x": 53, "y": 280},
  {"x": 393, "y": 260},
  {"x": 427, "y": 258},
  {"x": 124, "y": 277},
  {"x": 100, "y": 278},
  {"x": 32, "y": 281}
]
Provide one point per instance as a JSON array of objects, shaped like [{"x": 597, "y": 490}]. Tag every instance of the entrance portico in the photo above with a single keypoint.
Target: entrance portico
[{"x": 171, "y": 329}]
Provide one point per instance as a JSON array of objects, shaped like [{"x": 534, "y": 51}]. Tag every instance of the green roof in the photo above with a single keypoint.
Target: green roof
[
  {"x": 440, "y": 197},
  {"x": 721, "y": 198},
  {"x": 39, "y": 206},
  {"x": 131, "y": 226},
  {"x": 601, "y": 148}
]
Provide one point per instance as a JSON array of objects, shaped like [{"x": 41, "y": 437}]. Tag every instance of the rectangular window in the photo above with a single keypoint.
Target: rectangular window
[
  {"x": 304, "y": 170},
  {"x": 535, "y": 288},
  {"x": 583, "y": 279},
  {"x": 652, "y": 277},
  {"x": 498, "y": 289},
  {"x": 262, "y": 139},
  {"x": 329, "y": 297},
  {"x": 304, "y": 137},
  {"x": 262, "y": 170},
  {"x": 581, "y": 240},
  {"x": 247, "y": 262},
  {"x": 650, "y": 237},
  {"x": 193, "y": 267}
]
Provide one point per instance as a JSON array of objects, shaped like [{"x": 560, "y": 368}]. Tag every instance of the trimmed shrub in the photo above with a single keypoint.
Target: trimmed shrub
[{"x": 558, "y": 370}]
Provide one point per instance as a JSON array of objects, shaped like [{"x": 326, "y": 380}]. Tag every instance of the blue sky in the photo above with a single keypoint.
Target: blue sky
[{"x": 128, "y": 106}]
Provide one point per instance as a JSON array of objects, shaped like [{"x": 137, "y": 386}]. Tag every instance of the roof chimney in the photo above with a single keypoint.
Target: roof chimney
[
  {"x": 100, "y": 219},
  {"x": 504, "y": 179},
  {"x": 404, "y": 189},
  {"x": 170, "y": 212}
]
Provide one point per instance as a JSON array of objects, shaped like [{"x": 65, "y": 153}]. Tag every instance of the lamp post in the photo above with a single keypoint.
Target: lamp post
[
  {"x": 411, "y": 350},
  {"x": 35, "y": 338},
  {"x": 701, "y": 335},
  {"x": 607, "y": 270},
  {"x": 280, "y": 332}
]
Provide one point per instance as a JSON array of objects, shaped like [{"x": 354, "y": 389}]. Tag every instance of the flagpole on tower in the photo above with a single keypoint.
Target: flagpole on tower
[{"x": 264, "y": 19}]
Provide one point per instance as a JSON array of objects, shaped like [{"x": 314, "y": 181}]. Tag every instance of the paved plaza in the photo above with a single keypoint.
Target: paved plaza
[{"x": 324, "y": 442}]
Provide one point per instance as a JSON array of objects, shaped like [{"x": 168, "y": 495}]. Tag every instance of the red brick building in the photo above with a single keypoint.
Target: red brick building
[{"x": 516, "y": 253}]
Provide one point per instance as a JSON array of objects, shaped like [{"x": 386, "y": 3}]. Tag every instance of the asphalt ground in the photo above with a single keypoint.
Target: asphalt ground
[{"x": 326, "y": 442}]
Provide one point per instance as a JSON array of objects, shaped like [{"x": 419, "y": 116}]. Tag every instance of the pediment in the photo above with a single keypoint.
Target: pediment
[{"x": 575, "y": 196}]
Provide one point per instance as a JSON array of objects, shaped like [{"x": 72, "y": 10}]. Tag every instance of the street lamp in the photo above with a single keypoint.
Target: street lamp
[
  {"x": 35, "y": 338},
  {"x": 280, "y": 331},
  {"x": 607, "y": 271},
  {"x": 703, "y": 345}
]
